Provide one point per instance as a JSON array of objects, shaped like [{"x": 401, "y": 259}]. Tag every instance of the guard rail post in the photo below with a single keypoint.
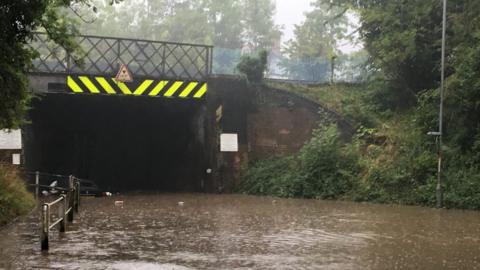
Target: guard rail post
[
  {"x": 61, "y": 214},
  {"x": 37, "y": 182},
  {"x": 71, "y": 198},
  {"x": 77, "y": 195},
  {"x": 45, "y": 226}
]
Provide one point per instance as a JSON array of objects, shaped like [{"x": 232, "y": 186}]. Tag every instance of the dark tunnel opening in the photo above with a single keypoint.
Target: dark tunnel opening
[{"x": 123, "y": 143}]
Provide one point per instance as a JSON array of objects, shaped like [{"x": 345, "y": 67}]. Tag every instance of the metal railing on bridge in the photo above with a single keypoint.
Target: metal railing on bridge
[{"x": 144, "y": 58}]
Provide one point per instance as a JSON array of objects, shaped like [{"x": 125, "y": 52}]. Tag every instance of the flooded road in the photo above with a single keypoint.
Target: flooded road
[{"x": 245, "y": 232}]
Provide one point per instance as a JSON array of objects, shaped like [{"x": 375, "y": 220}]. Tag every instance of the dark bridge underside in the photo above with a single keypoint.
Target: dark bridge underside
[{"x": 122, "y": 143}]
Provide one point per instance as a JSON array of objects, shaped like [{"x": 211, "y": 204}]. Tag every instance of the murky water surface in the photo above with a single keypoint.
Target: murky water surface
[{"x": 243, "y": 232}]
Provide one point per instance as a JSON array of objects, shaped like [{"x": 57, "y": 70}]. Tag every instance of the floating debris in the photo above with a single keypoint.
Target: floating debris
[{"x": 119, "y": 203}]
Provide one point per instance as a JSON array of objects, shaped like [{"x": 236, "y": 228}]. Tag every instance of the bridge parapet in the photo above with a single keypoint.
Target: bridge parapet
[{"x": 144, "y": 58}]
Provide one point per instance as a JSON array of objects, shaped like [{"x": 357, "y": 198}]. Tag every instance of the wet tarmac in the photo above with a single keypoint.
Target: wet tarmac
[{"x": 246, "y": 232}]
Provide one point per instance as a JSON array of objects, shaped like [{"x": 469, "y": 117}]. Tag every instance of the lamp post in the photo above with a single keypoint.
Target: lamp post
[
  {"x": 439, "y": 134},
  {"x": 439, "y": 191}
]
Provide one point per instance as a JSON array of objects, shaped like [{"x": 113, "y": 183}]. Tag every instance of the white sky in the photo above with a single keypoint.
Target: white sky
[{"x": 291, "y": 12}]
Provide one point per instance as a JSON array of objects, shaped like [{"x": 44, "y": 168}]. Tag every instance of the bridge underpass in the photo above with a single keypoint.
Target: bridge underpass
[
  {"x": 160, "y": 132},
  {"x": 121, "y": 143},
  {"x": 148, "y": 134}
]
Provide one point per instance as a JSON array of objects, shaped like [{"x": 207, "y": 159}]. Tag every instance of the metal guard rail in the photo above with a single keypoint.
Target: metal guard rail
[
  {"x": 67, "y": 204},
  {"x": 37, "y": 175},
  {"x": 144, "y": 58}
]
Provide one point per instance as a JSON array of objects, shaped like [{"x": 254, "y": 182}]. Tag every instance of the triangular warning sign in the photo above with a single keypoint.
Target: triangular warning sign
[{"x": 123, "y": 74}]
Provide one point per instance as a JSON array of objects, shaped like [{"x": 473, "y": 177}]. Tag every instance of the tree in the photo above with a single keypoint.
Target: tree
[
  {"x": 223, "y": 23},
  {"x": 18, "y": 19},
  {"x": 260, "y": 29},
  {"x": 403, "y": 39},
  {"x": 226, "y": 24},
  {"x": 129, "y": 19},
  {"x": 319, "y": 34},
  {"x": 316, "y": 41},
  {"x": 462, "y": 96},
  {"x": 187, "y": 22},
  {"x": 253, "y": 67}
]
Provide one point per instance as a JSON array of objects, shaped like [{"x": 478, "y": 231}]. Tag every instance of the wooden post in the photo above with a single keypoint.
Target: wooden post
[
  {"x": 45, "y": 226},
  {"x": 62, "y": 207},
  {"x": 37, "y": 182},
  {"x": 71, "y": 198}
]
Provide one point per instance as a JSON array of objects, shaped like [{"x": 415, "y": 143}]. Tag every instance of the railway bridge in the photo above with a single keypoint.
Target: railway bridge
[{"x": 161, "y": 128}]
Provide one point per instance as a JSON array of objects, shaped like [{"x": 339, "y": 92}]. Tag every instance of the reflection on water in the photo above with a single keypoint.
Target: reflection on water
[{"x": 244, "y": 232}]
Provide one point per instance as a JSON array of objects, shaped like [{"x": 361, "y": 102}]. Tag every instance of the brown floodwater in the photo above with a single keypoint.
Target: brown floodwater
[{"x": 247, "y": 232}]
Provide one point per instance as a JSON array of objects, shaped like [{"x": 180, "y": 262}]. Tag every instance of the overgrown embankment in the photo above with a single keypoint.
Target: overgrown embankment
[
  {"x": 15, "y": 200},
  {"x": 389, "y": 160}
]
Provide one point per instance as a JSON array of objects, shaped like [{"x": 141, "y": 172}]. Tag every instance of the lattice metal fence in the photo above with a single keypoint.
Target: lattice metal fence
[{"x": 144, "y": 58}]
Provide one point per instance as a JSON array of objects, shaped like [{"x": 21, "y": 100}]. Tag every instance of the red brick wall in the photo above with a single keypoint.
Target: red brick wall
[
  {"x": 283, "y": 122},
  {"x": 276, "y": 130},
  {"x": 269, "y": 123},
  {"x": 6, "y": 155}
]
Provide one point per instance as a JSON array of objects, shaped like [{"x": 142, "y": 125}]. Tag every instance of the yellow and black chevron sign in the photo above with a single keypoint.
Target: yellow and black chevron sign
[{"x": 153, "y": 88}]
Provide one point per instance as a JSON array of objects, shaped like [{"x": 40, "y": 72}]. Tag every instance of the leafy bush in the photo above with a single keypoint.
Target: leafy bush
[
  {"x": 398, "y": 169},
  {"x": 391, "y": 159},
  {"x": 323, "y": 169},
  {"x": 253, "y": 67},
  {"x": 276, "y": 177},
  {"x": 15, "y": 200},
  {"x": 461, "y": 182},
  {"x": 328, "y": 168}
]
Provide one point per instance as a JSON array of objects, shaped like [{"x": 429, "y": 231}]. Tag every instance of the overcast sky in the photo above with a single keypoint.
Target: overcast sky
[{"x": 289, "y": 13}]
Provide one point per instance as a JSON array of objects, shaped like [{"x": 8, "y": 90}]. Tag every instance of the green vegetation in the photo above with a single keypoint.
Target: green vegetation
[
  {"x": 323, "y": 169},
  {"x": 316, "y": 41},
  {"x": 18, "y": 20},
  {"x": 14, "y": 198},
  {"x": 222, "y": 23},
  {"x": 229, "y": 25},
  {"x": 253, "y": 68},
  {"x": 348, "y": 100},
  {"x": 391, "y": 159}
]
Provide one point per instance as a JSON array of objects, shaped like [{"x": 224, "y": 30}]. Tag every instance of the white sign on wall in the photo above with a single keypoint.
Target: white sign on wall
[
  {"x": 16, "y": 159},
  {"x": 10, "y": 140},
  {"x": 229, "y": 142}
]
